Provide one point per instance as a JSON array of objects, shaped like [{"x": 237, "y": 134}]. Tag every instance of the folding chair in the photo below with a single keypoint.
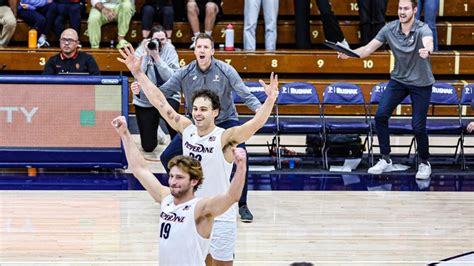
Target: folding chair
[
  {"x": 345, "y": 94},
  {"x": 466, "y": 103},
  {"x": 298, "y": 93},
  {"x": 258, "y": 91},
  {"x": 443, "y": 94},
  {"x": 270, "y": 126}
]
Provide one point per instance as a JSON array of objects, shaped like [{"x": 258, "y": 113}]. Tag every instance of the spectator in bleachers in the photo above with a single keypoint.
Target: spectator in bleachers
[
  {"x": 270, "y": 15},
  {"x": 372, "y": 18},
  {"x": 157, "y": 10},
  {"x": 430, "y": 8},
  {"x": 7, "y": 21},
  {"x": 106, "y": 11},
  {"x": 71, "y": 9},
  {"x": 70, "y": 60},
  {"x": 220, "y": 77},
  {"x": 411, "y": 42},
  {"x": 332, "y": 31},
  {"x": 39, "y": 15},
  {"x": 207, "y": 11},
  {"x": 159, "y": 64}
]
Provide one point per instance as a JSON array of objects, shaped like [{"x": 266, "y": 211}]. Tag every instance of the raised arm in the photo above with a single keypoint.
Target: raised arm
[
  {"x": 137, "y": 163},
  {"x": 217, "y": 205},
  {"x": 364, "y": 51},
  {"x": 242, "y": 133},
  {"x": 153, "y": 93}
]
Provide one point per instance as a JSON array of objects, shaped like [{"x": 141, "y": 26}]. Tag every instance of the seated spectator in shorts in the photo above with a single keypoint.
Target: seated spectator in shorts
[
  {"x": 106, "y": 11},
  {"x": 70, "y": 60},
  {"x": 206, "y": 11},
  {"x": 7, "y": 21},
  {"x": 157, "y": 10}
]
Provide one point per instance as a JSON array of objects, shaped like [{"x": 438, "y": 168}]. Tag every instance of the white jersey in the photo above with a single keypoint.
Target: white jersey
[
  {"x": 216, "y": 170},
  {"x": 180, "y": 242}
]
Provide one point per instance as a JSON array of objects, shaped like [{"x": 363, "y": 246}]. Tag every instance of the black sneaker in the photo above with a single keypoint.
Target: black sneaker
[{"x": 245, "y": 214}]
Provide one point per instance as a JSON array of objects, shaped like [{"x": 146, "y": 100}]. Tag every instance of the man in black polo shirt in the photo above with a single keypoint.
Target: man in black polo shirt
[{"x": 70, "y": 60}]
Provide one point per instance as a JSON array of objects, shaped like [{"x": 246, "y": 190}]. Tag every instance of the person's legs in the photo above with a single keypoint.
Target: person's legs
[
  {"x": 50, "y": 12},
  {"x": 211, "y": 14},
  {"x": 251, "y": 11},
  {"x": 8, "y": 22},
  {"x": 302, "y": 12},
  {"x": 270, "y": 15},
  {"x": 174, "y": 148},
  {"x": 331, "y": 28},
  {"x": 74, "y": 12},
  {"x": 246, "y": 215},
  {"x": 94, "y": 24},
  {"x": 59, "y": 20},
  {"x": 431, "y": 11},
  {"x": 124, "y": 11},
  {"x": 34, "y": 19},
  {"x": 365, "y": 20},
  {"x": 175, "y": 105},
  {"x": 148, "y": 13},
  {"x": 193, "y": 13},
  {"x": 222, "y": 247},
  {"x": 167, "y": 13},
  {"x": 148, "y": 120},
  {"x": 392, "y": 96},
  {"x": 420, "y": 97},
  {"x": 379, "y": 8}
]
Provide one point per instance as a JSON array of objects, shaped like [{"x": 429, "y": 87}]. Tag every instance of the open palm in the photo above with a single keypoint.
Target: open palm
[
  {"x": 132, "y": 62},
  {"x": 271, "y": 89}
]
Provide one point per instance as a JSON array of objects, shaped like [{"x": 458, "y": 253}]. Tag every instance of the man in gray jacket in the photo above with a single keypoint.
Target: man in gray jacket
[{"x": 206, "y": 72}]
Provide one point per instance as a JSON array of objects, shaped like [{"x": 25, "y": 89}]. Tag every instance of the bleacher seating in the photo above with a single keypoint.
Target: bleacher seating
[{"x": 318, "y": 67}]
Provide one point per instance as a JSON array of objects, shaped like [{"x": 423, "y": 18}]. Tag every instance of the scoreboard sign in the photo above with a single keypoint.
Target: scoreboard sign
[{"x": 61, "y": 121}]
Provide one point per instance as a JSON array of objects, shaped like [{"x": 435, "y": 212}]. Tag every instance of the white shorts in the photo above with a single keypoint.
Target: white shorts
[{"x": 224, "y": 235}]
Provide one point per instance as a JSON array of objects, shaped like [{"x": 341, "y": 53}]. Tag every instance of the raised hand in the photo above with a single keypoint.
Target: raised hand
[
  {"x": 132, "y": 62},
  {"x": 271, "y": 89},
  {"x": 120, "y": 125},
  {"x": 240, "y": 156},
  {"x": 135, "y": 88},
  {"x": 470, "y": 127}
]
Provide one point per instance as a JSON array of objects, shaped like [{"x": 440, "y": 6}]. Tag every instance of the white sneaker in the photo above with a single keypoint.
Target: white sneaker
[
  {"x": 345, "y": 44},
  {"x": 380, "y": 167},
  {"x": 42, "y": 42},
  {"x": 193, "y": 39},
  {"x": 424, "y": 171}
]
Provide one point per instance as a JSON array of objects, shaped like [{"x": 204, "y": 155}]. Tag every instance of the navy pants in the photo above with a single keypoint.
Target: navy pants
[
  {"x": 64, "y": 10},
  {"x": 40, "y": 19},
  {"x": 165, "y": 16},
  {"x": 394, "y": 94},
  {"x": 176, "y": 148}
]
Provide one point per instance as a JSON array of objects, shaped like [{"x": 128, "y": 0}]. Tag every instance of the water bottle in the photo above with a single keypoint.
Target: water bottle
[
  {"x": 32, "y": 39},
  {"x": 229, "y": 38}
]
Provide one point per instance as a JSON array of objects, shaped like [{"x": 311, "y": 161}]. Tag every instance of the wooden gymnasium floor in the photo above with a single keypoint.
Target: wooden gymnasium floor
[
  {"x": 322, "y": 227},
  {"x": 335, "y": 227}
]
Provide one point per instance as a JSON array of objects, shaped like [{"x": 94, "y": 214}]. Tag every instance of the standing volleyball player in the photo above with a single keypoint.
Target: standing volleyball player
[
  {"x": 209, "y": 144},
  {"x": 185, "y": 221}
]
